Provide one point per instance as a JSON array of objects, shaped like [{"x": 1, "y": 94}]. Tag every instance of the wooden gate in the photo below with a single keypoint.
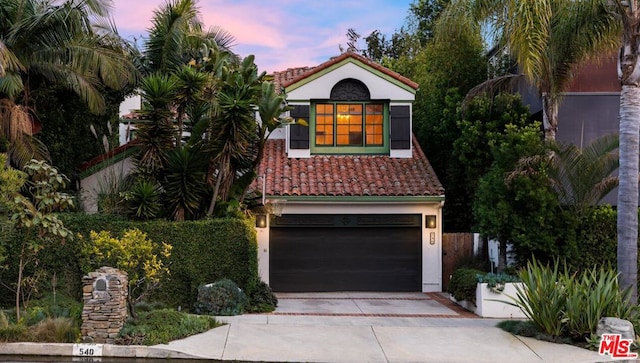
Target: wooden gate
[{"x": 455, "y": 247}]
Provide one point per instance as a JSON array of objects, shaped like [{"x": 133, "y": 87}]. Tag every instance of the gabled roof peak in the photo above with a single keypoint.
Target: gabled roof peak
[{"x": 293, "y": 75}]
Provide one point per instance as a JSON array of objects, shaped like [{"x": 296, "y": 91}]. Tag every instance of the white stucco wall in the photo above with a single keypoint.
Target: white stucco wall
[
  {"x": 129, "y": 104},
  {"x": 379, "y": 88},
  {"x": 101, "y": 181},
  {"x": 431, "y": 253}
]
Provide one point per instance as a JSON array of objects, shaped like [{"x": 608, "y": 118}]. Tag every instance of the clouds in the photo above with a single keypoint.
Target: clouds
[{"x": 280, "y": 33}]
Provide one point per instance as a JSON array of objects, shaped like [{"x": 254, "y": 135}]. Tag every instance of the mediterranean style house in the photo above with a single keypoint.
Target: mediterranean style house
[
  {"x": 352, "y": 203},
  {"x": 361, "y": 207}
]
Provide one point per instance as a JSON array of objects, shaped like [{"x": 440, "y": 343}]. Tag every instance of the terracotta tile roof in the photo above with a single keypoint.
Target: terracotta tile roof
[
  {"x": 108, "y": 155},
  {"x": 347, "y": 175},
  {"x": 286, "y": 76},
  {"x": 293, "y": 75}
]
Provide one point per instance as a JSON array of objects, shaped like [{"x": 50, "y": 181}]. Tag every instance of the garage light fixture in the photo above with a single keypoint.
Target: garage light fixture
[
  {"x": 261, "y": 221},
  {"x": 430, "y": 221}
]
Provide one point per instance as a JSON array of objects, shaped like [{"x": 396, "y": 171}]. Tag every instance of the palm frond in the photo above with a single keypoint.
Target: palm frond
[{"x": 491, "y": 87}]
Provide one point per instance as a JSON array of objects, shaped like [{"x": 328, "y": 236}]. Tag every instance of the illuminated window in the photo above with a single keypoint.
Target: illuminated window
[{"x": 349, "y": 124}]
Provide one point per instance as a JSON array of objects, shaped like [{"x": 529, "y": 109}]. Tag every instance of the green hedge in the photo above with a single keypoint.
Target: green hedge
[{"x": 203, "y": 252}]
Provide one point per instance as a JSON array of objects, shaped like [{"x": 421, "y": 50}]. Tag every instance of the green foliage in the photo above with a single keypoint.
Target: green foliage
[
  {"x": 597, "y": 238},
  {"x": 560, "y": 303},
  {"x": 495, "y": 281},
  {"x": 134, "y": 253},
  {"x": 261, "y": 299},
  {"x": 463, "y": 284},
  {"x": 54, "y": 330},
  {"x": 66, "y": 131},
  {"x": 32, "y": 212},
  {"x": 519, "y": 327},
  {"x": 524, "y": 210},
  {"x": 594, "y": 294},
  {"x": 222, "y": 297},
  {"x": 13, "y": 332},
  {"x": 45, "y": 320},
  {"x": 162, "y": 326},
  {"x": 482, "y": 124},
  {"x": 203, "y": 251},
  {"x": 185, "y": 183},
  {"x": 541, "y": 299},
  {"x": 143, "y": 200}
]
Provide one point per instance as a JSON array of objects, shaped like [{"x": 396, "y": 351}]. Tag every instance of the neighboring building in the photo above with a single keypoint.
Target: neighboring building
[
  {"x": 358, "y": 189},
  {"x": 591, "y": 106},
  {"x": 354, "y": 203}
]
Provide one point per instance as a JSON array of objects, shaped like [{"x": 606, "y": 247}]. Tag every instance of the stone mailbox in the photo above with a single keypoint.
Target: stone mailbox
[{"x": 104, "y": 293}]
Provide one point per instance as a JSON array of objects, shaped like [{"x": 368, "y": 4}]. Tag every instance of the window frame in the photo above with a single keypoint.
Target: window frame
[{"x": 349, "y": 149}]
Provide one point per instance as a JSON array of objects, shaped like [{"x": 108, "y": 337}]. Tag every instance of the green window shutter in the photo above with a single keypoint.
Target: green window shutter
[
  {"x": 299, "y": 135},
  {"x": 400, "y": 127}
]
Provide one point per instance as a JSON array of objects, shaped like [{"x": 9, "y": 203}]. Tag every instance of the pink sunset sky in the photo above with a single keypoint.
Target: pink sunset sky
[{"x": 280, "y": 33}]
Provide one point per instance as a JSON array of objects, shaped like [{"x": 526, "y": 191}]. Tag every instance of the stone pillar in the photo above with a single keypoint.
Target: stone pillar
[{"x": 104, "y": 293}]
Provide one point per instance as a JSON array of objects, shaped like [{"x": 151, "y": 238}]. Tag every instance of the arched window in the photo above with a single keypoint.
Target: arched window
[{"x": 349, "y": 119}]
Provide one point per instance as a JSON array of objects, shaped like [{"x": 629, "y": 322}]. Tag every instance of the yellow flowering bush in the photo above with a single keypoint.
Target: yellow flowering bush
[{"x": 134, "y": 254}]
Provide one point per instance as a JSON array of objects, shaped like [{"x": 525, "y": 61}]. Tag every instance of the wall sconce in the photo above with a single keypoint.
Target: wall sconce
[
  {"x": 430, "y": 221},
  {"x": 261, "y": 221}
]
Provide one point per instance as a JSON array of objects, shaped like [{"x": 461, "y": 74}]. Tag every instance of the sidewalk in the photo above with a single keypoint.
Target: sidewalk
[
  {"x": 371, "y": 328},
  {"x": 348, "y": 327}
]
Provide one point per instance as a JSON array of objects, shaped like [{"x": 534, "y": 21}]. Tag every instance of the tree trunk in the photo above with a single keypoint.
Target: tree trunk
[
  {"x": 627, "y": 254},
  {"x": 19, "y": 285},
  {"x": 549, "y": 116}
]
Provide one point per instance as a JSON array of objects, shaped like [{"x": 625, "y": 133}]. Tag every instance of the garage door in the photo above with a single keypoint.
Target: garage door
[{"x": 345, "y": 253}]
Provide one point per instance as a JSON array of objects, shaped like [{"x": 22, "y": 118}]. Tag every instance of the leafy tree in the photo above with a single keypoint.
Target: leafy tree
[
  {"x": 56, "y": 41},
  {"x": 524, "y": 210},
  {"x": 134, "y": 254},
  {"x": 33, "y": 210},
  {"x": 484, "y": 122},
  {"x": 547, "y": 39}
]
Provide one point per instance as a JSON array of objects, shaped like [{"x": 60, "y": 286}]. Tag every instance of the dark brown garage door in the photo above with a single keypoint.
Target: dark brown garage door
[{"x": 345, "y": 253}]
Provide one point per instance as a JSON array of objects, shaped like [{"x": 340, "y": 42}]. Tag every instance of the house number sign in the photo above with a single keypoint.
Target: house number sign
[{"x": 87, "y": 350}]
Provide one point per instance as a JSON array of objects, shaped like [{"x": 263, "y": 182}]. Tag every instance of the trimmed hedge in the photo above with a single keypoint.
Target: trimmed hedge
[{"x": 203, "y": 252}]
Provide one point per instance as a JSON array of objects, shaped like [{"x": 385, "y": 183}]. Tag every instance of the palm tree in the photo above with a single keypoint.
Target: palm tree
[
  {"x": 548, "y": 40},
  {"x": 628, "y": 14},
  {"x": 70, "y": 43},
  {"x": 189, "y": 86},
  {"x": 177, "y": 37},
  {"x": 581, "y": 177},
  {"x": 233, "y": 128}
]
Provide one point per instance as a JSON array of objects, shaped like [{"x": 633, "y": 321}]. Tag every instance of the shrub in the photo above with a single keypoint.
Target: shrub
[
  {"x": 463, "y": 284},
  {"x": 135, "y": 254},
  {"x": 54, "y": 330},
  {"x": 13, "y": 333},
  {"x": 591, "y": 296},
  {"x": 559, "y": 303},
  {"x": 495, "y": 281},
  {"x": 223, "y": 297},
  {"x": 203, "y": 251},
  {"x": 261, "y": 299},
  {"x": 540, "y": 298},
  {"x": 162, "y": 326}
]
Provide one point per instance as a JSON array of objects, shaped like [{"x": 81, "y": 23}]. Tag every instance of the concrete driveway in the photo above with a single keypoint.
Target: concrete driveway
[{"x": 371, "y": 327}]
